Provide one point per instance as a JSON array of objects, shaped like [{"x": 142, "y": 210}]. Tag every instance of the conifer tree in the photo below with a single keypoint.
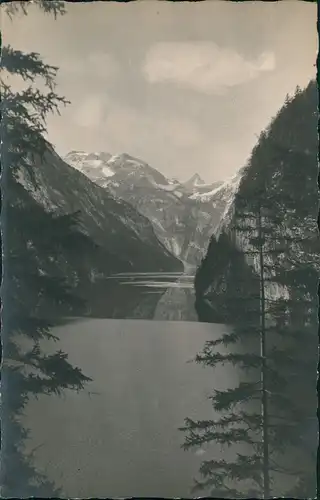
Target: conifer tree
[
  {"x": 275, "y": 231},
  {"x": 36, "y": 293}
]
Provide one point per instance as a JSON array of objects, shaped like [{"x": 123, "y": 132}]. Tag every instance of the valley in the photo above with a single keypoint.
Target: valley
[
  {"x": 183, "y": 216},
  {"x": 159, "y": 318}
]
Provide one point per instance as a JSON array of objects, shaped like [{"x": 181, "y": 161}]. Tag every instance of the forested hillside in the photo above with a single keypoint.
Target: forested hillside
[{"x": 260, "y": 275}]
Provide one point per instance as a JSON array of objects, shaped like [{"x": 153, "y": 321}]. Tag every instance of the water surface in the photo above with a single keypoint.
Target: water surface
[{"x": 119, "y": 437}]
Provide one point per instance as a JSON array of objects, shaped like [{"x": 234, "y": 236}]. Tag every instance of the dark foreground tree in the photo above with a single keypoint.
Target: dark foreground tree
[
  {"x": 265, "y": 420},
  {"x": 38, "y": 283}
]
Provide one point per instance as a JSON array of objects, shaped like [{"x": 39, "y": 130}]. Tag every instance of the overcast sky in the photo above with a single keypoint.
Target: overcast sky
[{"x": 183, "y": 86}]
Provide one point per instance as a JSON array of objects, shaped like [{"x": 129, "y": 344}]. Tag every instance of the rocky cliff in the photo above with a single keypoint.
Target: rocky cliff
[
  {"x": 124, "y": 240},
  {"x": 283, "y": 167},
  {"x": 261, "y": 272}
]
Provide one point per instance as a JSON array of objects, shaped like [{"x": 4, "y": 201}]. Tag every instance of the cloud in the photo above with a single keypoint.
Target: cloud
[{"x": 203, "y": 66}]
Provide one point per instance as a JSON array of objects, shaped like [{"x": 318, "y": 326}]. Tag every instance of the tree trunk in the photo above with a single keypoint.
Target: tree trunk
[{"x": 264, "y": 398}]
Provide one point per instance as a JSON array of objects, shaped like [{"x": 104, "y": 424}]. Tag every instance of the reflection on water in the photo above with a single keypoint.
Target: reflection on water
[
  {"x": 151, "y": 296},
  {"x": 155, "y": 280},
  {"x": 119, "y": 437}
]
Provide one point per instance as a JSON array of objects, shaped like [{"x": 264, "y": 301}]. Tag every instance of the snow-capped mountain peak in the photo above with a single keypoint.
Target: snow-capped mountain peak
[
  {"x": 93, "y": 165},
  {"x": 197, "y": 180},
  {"x": 194, "y": 182},
  {"x": 230, "y": 184},
  {"x": 123, "y": 159},
  {"x": 113, "y": 170},
  {"x": 183, "y": 214},
  {"x": 228, "y": 191},
  {"x": 77, "y": 157}
]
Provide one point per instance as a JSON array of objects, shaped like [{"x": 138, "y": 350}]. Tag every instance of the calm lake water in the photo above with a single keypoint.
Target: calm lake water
[{"x": 119, "y": 437}]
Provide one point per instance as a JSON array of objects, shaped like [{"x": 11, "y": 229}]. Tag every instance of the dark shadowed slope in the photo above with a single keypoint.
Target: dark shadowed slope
[
  {"x": 260, "y": 275},
  {"x": 124, "y": 240},
  {"x": 284, "y": 166}
]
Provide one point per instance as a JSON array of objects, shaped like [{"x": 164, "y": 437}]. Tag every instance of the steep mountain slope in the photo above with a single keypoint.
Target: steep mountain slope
[
  {"x": 125, "y": 238},
  {"x": 181, "y": 220},
  {"x": 261, "y": 274},
  {"x": 220, "y": 196},
  {"x": 283, "y": 164}
]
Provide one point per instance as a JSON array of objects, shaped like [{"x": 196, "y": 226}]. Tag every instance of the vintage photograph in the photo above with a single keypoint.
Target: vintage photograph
[{"x": 160, "y": 249}]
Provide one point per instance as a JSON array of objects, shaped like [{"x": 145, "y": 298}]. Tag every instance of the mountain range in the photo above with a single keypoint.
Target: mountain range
[{"x": 183, "y": 214}]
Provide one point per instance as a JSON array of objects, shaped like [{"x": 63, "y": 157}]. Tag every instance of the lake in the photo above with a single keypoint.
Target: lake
[
  {"x": 119, "y": 437},
  {"x": 159, "y": 295}
]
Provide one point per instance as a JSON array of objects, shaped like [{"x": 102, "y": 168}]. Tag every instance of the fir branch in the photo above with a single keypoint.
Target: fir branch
[
  {"x": 28, "y": 66},
  {"x": 16, "y": 104},
  {"x": 224, "y": 438},
  {"x": 228, "y": 399},
  {"x": 226, "y": 339},
  {"x": 245, "y": 467},
  {"x": 246, "y": 361},
  {"x": 53, "y": 7}
]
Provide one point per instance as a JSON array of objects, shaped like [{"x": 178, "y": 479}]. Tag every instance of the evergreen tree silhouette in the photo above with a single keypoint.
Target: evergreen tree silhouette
[
  {"x": 274, "y": 228},
  {"x": 36, "y": 292}
]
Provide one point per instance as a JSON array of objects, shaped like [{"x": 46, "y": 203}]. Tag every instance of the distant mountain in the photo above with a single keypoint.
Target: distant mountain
[
  {"x": 126, "y": 239},
  {"x": 181, "y": 220},
  {"x": 93, "y": 165},
  {"x": 221, "y": 195},
  {"x": 109, "y": 171},
  {"x": 194, "y": 182}
]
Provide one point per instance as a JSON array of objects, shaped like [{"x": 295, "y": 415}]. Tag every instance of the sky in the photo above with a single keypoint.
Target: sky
[{"x": 186, "y": 87}]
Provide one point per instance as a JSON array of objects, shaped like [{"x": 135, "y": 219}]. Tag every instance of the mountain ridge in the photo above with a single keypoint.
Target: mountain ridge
[{"x": 181, "y": 219}]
